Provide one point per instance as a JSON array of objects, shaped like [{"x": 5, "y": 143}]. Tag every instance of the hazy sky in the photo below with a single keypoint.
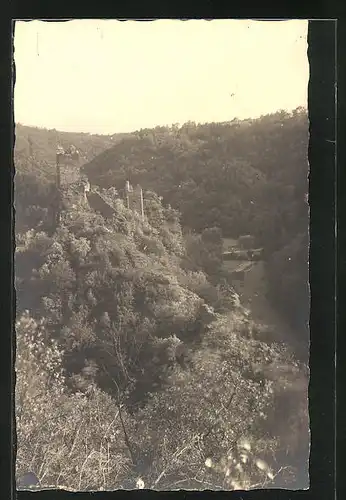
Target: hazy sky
[{"x": 105, "y": 76}]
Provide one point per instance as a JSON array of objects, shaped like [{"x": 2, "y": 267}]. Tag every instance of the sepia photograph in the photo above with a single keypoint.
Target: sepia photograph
[{"x": 161, "y": 254}]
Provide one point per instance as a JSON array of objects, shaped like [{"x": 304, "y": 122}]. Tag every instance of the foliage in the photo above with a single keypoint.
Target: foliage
[
  {"x": 244, "y": 177},
  {"x": 108, "y": 294},
  {"x": 144, "y": 366},
  {"x": 71, "y": 441},
  {"x": 185, "y": 437}
]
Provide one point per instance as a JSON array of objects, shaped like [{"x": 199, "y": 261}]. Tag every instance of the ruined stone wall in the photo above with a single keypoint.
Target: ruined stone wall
[{"x": 134, "y": 199}]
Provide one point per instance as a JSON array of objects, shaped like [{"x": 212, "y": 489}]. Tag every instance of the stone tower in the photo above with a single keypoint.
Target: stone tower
[
  {"x": 134, "y": 198},
  {"x": 68, "y": 167},
  {"x": 69, "y": 181}
]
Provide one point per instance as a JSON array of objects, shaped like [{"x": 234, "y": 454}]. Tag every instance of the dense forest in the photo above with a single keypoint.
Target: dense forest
[
  {"x": 137, "y": 363},
  {"x": 245, "y": 177}
]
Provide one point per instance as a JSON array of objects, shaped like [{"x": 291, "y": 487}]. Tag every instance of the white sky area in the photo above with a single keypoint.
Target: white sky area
[{"x": 108, "y": 76}]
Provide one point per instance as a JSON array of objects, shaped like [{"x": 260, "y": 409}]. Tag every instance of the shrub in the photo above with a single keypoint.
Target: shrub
[{"x": 73, "y": 441}]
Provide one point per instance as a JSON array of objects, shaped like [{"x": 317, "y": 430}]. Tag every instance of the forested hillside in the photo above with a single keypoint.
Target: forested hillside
[
  {"x": 241, "y": 176},
  {"x": 39, "y": 143},
  {"x": 245, "y": 177},
  {"x": 137, "y": 363}
]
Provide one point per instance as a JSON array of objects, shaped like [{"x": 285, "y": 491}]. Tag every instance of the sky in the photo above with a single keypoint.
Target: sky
[{"x": 108, "y": 76}]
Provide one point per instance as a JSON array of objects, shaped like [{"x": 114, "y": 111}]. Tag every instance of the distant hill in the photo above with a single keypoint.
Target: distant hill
[
  {"x": 35, "y": 147},
  {"x": 231, "y": 175}
]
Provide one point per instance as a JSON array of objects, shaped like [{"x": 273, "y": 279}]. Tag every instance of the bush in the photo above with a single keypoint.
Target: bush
[{"x": 73, "y": 441}]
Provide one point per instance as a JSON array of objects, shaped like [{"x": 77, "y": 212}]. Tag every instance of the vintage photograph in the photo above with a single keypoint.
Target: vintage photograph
[{"x": 161, "y": 260}]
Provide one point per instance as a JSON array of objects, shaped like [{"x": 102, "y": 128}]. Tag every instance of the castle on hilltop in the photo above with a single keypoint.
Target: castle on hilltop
[{"x": 73, "y": 188}]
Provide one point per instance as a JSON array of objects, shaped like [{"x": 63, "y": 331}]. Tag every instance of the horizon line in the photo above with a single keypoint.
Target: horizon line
[{"x": 167, "y": 126}]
